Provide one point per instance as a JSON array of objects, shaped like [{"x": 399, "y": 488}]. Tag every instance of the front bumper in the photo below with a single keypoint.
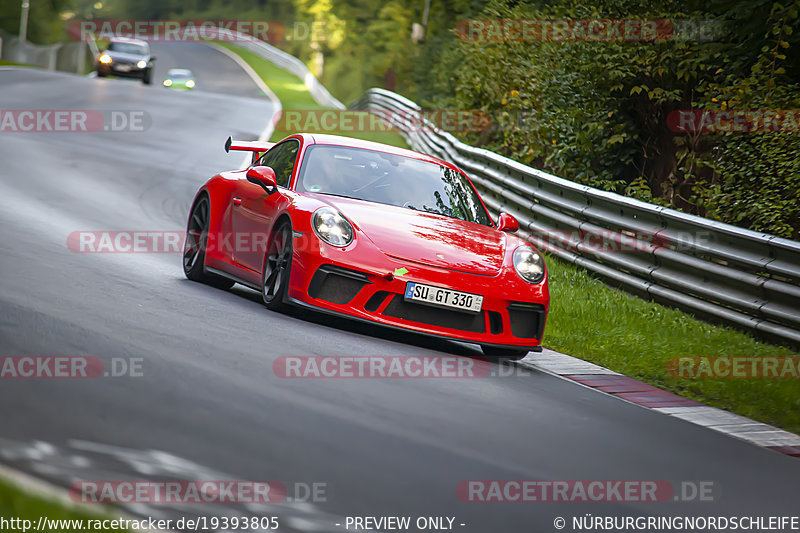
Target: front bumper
[
  {"x": 179, "y": 87},
  {"x": 368, "y": 285},
  {"x": 113, "y": 69}
]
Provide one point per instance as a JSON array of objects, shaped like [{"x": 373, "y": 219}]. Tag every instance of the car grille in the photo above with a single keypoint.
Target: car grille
[{"x": 443, "y": 318}]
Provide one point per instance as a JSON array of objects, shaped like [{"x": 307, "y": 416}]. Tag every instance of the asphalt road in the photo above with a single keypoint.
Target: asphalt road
[
  {"x": 208, "y": 403},
  {"x": 213, "y": 70}
]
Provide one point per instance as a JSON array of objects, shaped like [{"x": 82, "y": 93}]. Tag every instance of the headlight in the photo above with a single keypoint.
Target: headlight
[
  {"x": 529, "y": 264},
  {"x": 105, "y": 59},
  {"x": 190, "y": 84},
  {"x": 167, "y": 83},
  {"x": 332, "y": 227},
  {"x": 141, "y": 64}
]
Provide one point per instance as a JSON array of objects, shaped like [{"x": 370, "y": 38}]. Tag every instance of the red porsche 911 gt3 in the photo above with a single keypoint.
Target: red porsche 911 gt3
[{"x": 370, "y": 232}]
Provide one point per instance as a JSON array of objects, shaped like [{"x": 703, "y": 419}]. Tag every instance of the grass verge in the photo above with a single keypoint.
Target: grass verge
[
  {"x": 639, "y": 338},
  {"x": 21, "y": 504},
  {"x": 629, "y": 335},
  {"x": 294, "y": 96}
]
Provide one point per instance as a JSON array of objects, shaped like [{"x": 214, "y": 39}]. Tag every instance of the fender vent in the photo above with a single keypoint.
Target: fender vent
[{"x": 527, "y": 320}]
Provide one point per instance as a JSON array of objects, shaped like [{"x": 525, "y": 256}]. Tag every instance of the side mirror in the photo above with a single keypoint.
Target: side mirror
[
  {"x": 263, "y": 177},
  {"x": 507, "y": 223}
]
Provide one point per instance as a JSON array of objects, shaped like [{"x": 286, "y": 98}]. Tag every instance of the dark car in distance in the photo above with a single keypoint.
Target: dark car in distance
[{"x": 126, "y": 58}]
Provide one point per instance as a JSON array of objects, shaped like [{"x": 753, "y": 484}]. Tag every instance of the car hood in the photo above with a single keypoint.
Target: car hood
[{"x": 426, "y": 238}]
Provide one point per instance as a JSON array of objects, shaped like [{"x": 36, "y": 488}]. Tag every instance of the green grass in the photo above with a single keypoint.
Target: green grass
[
  {"x": 4, "y": 63},
  {"x": 638, "y": 338},
  {"x": 18, "y": 503},
  {"x": 632, "y": 336},
  {"x": 294, "y": 96}
]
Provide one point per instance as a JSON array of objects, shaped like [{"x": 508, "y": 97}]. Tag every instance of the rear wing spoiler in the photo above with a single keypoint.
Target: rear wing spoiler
[{"x": 248, "y": 146}]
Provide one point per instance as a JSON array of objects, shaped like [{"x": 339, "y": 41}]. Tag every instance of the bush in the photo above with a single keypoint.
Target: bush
[{"x": 596, "y": 112}]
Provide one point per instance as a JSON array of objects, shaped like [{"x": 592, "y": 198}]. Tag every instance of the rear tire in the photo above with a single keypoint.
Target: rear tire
[
  {"x": 277, "y": 268},
  {"x": 493, "y": 352},
  {"x": 194, "y": 248}
]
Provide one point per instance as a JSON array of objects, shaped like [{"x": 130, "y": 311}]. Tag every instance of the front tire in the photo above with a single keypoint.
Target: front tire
[
  {"x": 194, "y": 248},
  {"x": 493, "y": 352},
  {"x": 277, "y": 268},
  {"x": 146, "y": 79}
]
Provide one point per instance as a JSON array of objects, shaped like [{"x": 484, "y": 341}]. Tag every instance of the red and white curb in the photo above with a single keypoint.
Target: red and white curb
[{"x": 642, "y": 394}]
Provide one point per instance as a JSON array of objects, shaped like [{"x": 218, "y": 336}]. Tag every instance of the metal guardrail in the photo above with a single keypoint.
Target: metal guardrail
[
  {"x": 67, "y": 57},
  {"x": 720, "y": 272}
]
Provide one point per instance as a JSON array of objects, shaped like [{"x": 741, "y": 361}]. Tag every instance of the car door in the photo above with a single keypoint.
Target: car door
[{"x": 254, "y": 210}]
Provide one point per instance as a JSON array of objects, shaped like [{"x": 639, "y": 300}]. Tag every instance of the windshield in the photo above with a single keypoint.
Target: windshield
[
  {"x": 128, "y": 48},
  {"x": 392, "y": 180}
]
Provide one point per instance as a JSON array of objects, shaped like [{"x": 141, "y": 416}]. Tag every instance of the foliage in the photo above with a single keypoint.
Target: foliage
[
  {"x": 294, "y": 96},
  {"x": 44, "y": 24},
  {"x": 596, "y": 112}
]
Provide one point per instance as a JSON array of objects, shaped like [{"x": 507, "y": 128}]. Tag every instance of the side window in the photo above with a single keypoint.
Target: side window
[{"x": 281, "y": 158}]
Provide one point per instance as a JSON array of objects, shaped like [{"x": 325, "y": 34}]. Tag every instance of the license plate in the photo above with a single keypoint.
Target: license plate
[
  {"x": 123, "y": 68},
  {"x": 441, "y": 297}
]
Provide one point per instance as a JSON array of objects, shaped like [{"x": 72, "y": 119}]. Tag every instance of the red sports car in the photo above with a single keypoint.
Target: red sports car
[{"x": 370, "y": 232}]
